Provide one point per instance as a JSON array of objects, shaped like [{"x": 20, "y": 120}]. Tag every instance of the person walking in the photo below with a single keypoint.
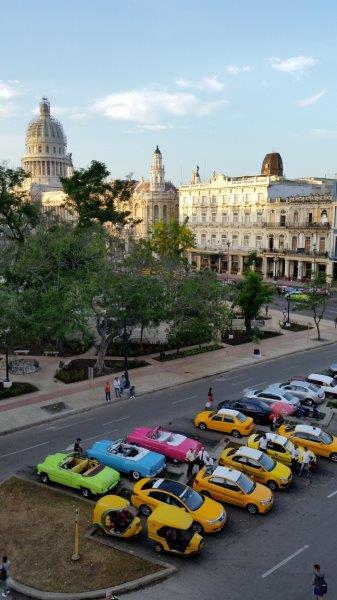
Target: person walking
[
  {"x": 320, "y": 587},
  {"x": 305, "y": 463},
  {"x": 190, "y": 458},
  {"x": 294, "y": 459},
  {"x": 210, "y": 399},
  {"x": 107, "y": 390},
  {"x": 78, "y": 448},
  {"x": 117, "y": 386},
  {"x": 335, "y": 322},
  {"x": 4, "y": 576},
  {"x": 263, "y": 443}
]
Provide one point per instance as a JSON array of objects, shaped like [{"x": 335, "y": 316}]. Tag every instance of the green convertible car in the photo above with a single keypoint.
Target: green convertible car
[{"x": 85, "y": 474}]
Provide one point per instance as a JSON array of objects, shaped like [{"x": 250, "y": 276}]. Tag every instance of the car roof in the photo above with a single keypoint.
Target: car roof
[
  {"x": 228, "y": 411},
  {"x": 249, "y": 452},
  {"x": 274, "y": 437},
  {"x": 307, "y": 429},
  {"x": 299, "y": 382},
  {"x": 320, "y": 377},
  {"x": 170, "y": 516},
  {"x": 168, "y": 485},
  {"x": 227, "y": 473}
]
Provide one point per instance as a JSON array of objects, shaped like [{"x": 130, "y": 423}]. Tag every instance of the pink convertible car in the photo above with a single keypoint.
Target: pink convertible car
[{"x": 172, "y": 445}]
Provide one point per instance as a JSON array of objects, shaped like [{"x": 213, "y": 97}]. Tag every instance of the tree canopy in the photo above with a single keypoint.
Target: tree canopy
[
  {"x": 170, "y": 240},
  {"x": 18, "y": 214},
  {"x": 251, "y": 294}
]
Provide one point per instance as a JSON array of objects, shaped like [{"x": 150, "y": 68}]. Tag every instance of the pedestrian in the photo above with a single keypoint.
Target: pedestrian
[
  {"x": 190, "y": 458},
  {"x": 305, "y": 463},
  {"x": 263, "y": 443},
  {"x": 122, "y": 384},
  {"x": 210, "y": 398},
  {"x": 107, "y": 390},
  {"x": 319, "y": 583},
  {"x": 294, "y": 459},
  {"x": 117, "y": 386},
  {"x": 285, "y": 315},
  {"x": 335, "y": 322},
  {"x": 78, "y": 448},
  {"x": 315, "y": 412},
  {"x": 4, "y": 575},
  {"x": 132, "y": 392},
  {"x": 202, "y": 458},
  {"x": 273, "y": 422},
  {"x": 266, "y": 311},
  {"x": 278, "y": 290}
]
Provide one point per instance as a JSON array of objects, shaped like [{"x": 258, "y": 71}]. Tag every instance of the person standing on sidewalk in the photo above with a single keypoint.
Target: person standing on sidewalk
[
  {"x": 107, "y": 390},
  {"x": 4, "y": 575},
  {"x": 335, "y": 322},
  {"x": 319, "y": 583},
  {"x": 190, "y": 458},
  {"x": 210, "y": 398},
  {"x": 122, "y": 384},
  {"x": 294, "y": 459},
  {"x": 117, "y": 386},
  {"x": 132, "y": 391},
  {"x": 305, "y": 463}
]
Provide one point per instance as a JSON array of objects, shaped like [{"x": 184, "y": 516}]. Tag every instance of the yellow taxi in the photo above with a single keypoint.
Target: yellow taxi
[
  {"x": 208, "y": 516},
  {"x": 258, "y": 465},
  {"x": 225, "y": 420},
  {"x": 278, "y": 447},
  {"x": 313, "y": 438},
  {"x": 233, "y": 486}
]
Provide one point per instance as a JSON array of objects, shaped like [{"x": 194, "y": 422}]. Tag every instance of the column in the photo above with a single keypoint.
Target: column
[
  {"x": 264, "y": 266},
  {"x": 198, "y": 262},
  {"x": 286, "y": 268},
  {"x": 229, "y": 264},
  {"x": 275, "y": 268},
  {"x": 299, "y": 270},
  {"x": 240, "y": 265}
]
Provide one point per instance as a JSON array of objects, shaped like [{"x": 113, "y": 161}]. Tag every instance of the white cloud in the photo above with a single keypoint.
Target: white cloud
[
  {"x": 155, "y": 127},
  {"x": 323, "y": 134},
  {"x": 209, "y": 83},
  {"x": 8, "y": 89},
  {"x": 7, "y": 110},
  {"x": 149, "y": 105},
  {"x": 312, "y": 99},
  {"x": 235, "y": 70},
  {"x": 294, "y": 64}
]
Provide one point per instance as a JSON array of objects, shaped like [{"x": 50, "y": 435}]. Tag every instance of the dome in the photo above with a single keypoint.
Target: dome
[
  {"x": 272, "y": 165},
  {"x": 45, "y": 127}
]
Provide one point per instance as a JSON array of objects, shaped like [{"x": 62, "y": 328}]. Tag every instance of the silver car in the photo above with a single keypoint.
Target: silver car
[
  {"x": 307, "y": 393},
  {"x": 272, "y": 394}
]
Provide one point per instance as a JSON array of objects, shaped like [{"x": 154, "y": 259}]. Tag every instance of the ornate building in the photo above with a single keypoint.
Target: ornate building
[
  {"x": 286, "y": 224},
  {"x": 46, "y": 158},
  {"x": 153, "y": 200}
]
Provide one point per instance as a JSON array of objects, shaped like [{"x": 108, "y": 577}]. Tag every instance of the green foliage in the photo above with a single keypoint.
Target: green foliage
[
  {"x": 170, "y": 240},
  {"x": 18, "y": 214},
  {"x": 92, "y": 198},
  {"x": 251, "y": 294},
  {"x": 315, "y": 301},
  {"x": 189, "y": 352},
  {"x": 17, "y": 389}
]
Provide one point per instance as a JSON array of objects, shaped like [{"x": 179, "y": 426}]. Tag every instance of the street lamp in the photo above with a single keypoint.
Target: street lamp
[
  {"x": 314, "y": 252},
  {"x": 228, "y": 244},
  {"x": 7, "y": 383}
]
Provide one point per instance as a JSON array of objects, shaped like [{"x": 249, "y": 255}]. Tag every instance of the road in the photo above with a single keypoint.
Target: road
[
  {"x": 280, "y": 303},
  {"x": 243, "y": 562}
]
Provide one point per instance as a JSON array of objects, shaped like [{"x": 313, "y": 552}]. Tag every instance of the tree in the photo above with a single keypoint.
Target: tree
[
  {"x": 18, "y": 214},
  {"x": 315, "y": 300},
  {"x": 91, "y": 197},
  {"x": 170, "y": 240},
  {"x": 251, "y": 294}
]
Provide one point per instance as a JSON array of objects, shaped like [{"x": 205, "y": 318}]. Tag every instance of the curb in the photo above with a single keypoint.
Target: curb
[{"x": 223, "y": 370}]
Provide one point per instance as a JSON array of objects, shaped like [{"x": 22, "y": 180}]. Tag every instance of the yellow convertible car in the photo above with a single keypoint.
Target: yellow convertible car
[{"x": 258, "y": 465}]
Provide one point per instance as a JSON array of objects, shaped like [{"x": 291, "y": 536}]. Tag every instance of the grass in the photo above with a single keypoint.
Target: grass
[
  {"x": 183, "y": 353},
  {"x": 17, "y": 389},
  {"x": 37, "y": 533},
  {"x": 332, "y": 404}
]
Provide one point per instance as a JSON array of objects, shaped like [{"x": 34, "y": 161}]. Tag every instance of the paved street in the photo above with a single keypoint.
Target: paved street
[
  {"x": 330, "y": 313},
  {"x": 244, "y": 555}
]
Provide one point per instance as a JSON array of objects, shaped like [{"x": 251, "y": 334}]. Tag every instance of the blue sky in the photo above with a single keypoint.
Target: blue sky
[{"x": 214, "y": 83}]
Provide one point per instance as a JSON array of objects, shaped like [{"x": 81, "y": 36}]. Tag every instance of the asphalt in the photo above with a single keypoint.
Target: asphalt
[
  {"x": 301, "y": 525},
  {"x": 280, "y": 303}
]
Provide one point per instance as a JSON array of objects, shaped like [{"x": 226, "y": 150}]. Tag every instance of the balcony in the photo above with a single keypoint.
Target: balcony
[
  {"x": 298, "y": 252},
  {"x": 299, "y": 225}
]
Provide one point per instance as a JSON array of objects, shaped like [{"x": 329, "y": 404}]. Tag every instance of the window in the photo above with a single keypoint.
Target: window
[
  {"x": 310, "y": 217},
  {"x": 40, "y": 149},
  {"x": 294, "y": 242},
  {"x": 213, "y": 217},
  {"x": 236, "y": 198},
  {"x": 203, "y": 217},
  {"x": 47, "y": 149},
  {"x": 260, "y": 197},
  {"x": 213, "y": 200},
  {"x": 235, "y": 217},
  {"x": 234, "y": 241},
  {"x": 228, "y": 420},
  {"x": 224, "y": 217},
  {"x": 296, "y": 217},
  {"x": 259, "y": 217},
  {"x": 258, "y": 242},
  {"x": 223, "y": 240},
  {"x": 217, "y": 418},
  {"x": 246, "y": 241},
  {"x": 247, "y": 218},
  {"x": 54, "y": 150},
  {"x": 213, "y": 240},
  {"x": 203, "y": 239},
  {"x": 156, "y": 212},
  {"x": 281, "y": 242},
  {"x": 324, "y": 216},
  {"x": 321, "y": 246},
  {"x": 307, "y": 244},
  {"x": 194, "y": 218},
  {"x": 282, "y": 220}
]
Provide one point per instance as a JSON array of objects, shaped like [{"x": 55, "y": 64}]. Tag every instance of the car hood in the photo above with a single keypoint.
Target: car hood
[{"x": 210, "y": 510}]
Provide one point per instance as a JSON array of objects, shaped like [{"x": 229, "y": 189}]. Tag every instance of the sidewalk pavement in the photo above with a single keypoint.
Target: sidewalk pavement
[{"x": 22, "y": 411}]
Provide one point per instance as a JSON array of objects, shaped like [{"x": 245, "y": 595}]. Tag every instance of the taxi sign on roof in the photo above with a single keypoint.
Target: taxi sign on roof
[
  {"x": 275, "y": 438},
  {"x": 228, "y": 411},
  {"x": 250, "y": 452},
  {"x": 227, "y": 473},
  {"x": 307, "y": 429}
]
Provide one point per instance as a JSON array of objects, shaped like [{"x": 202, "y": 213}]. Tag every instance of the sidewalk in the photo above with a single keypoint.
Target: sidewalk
[{"x": 26, "y": 410}]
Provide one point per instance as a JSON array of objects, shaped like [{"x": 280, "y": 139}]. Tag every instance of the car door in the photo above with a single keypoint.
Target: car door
[
  {"x": 302, "y": 439},
  {"x": 241, "y": 463},
  {"x": 155, "y": 496},
  {"x": 61, "y": 475},
  {"x": 278, "y": 452},
  {"x": 118, "y": 461},
  {"x": 255, "y": 471},
  {"x": 216, "y": 422}
]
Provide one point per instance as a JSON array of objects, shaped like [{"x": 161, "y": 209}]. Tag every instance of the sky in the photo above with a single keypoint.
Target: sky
[{"x": 214, "y": 83}]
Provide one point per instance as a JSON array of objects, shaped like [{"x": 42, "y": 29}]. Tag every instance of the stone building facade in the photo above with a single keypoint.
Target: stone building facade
[{"x": 285, "y": 225}]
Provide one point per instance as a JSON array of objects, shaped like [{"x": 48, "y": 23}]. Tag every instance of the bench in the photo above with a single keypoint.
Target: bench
[
  {"x": 25, "y": 352},
  {"x": 51, "y": 352}
]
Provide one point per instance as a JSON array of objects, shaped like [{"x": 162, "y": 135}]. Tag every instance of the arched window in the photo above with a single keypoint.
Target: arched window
[
  {"x": 324, "y": 216},
  {"x": 281, "y": 242},
  {"x": 156, "y": 212}
]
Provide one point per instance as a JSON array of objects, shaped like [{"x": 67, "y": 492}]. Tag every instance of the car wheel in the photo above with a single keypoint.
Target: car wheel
[
  {"x": 135, "y": 475},
  {"x": 197, "y": 528},
  {"x": 44, "y": 478},
  {"x": 202, "y": 426},
  {"x": 235, "y": 433},
  {"x": 333, "y": 456},
  {"x": 206, "y": 494},
  {"x": 272, "y": 485},
  {"x": 158, "y": 548},
  {"x": 308, "y": 401},
  {"x": 85, "y": 492},
  {"x": 252, "y": 509},
  {"x": 145, "y": 510}
]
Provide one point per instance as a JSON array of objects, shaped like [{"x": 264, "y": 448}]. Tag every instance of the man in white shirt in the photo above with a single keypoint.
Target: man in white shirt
[
  {"x": 305, "y": 463},
  {"x": 294, "y": 459},
  {"x": 263, "y": 443},
  {"x": 190, "y": 458}
]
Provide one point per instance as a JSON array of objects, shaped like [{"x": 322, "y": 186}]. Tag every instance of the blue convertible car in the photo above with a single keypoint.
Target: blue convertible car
[{"x": 127, "y": 458}]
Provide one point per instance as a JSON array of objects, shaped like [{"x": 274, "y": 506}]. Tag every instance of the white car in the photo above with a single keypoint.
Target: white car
[
  {"x": 306, "y": 392},
  {"x": 325, "y": 382},
  {"x": 272, "y": 394}
]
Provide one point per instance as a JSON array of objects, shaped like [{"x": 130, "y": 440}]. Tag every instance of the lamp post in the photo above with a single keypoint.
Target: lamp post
[
  {"x": 228, "y": 244},
  {"x": 127, "y": 330},
  {"x": 314, "y": 252},
  {"x": 7, "y": 383}
]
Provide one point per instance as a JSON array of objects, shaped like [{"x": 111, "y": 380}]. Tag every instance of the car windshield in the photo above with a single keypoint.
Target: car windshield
[
  {"x": 289, "y": 446},
  {"x": 313, "y": 388},
  {"x": 266, "y": 462},
  {"x": 246, "y": 484},
  {"x": 192, "y": 499},
  {"x": 288, "y": 396},
  {"x": 241, "y": 417},
  {"x": 325, "y": 437}
]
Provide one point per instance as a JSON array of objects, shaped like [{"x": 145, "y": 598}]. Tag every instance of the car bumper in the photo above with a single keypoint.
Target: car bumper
[
  {"x": 213, "y": 527},
  {"x": 266, "y": 508},
  {"x": 283, "y": 486}
]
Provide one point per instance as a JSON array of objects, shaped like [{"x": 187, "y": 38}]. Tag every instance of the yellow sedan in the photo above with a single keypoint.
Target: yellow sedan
[
  {"x": 225, "y": 420},
  {"x": 313, "y": 438},
  {"x": 278, "y": 447},
  {"x": 257, "y": 465},
  {"x": 233, "y": 486}
]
